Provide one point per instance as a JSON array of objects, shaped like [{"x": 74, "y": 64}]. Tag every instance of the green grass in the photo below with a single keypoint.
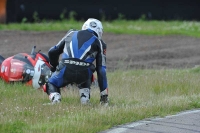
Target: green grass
[
  {"x": 134, "y": 95},
  {"x": 188, "y": 28}
]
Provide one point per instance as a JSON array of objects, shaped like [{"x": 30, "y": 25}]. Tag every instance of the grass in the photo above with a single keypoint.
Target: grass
[
  {"x": 134, "y": 95},
  {"x": 188, "y": 28}
]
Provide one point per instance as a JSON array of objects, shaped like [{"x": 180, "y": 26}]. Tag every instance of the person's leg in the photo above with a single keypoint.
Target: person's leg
[
  {"x": 53, "y": 93},
  {"x": 55, "y": 82},
  {"x": 84, "y": 91},
  {"x": 104, "y": 97}
]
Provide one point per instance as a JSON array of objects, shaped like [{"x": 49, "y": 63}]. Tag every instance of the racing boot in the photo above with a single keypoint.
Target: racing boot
[
  {"x": 84, "y": 95},
  {"x": 55, "y": 98},
  {"x": 104, "y": 98}
]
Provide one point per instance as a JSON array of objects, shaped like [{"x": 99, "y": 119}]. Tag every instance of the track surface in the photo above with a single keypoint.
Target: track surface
[{"x": 184, "y": 122}]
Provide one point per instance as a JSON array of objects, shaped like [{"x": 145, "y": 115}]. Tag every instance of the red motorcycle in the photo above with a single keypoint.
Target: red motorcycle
[{"x": 32, "y": 69}]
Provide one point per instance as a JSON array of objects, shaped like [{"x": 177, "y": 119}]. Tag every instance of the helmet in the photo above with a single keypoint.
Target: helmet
[{"x": 94, "y": 25}]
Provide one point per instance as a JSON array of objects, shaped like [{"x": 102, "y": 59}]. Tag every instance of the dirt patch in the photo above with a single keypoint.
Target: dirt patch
[{"x": 123, "y": 51}]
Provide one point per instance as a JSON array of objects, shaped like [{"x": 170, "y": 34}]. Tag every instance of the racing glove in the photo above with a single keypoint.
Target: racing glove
[{"x": 53, "y": 67}]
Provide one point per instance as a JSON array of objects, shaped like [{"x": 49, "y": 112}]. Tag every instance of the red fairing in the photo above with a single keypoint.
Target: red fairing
[
  {"x": 40, "y": 56},
  {"x": 5, "y": 66},
  {"x": 14, "y": 68},
  {"x": 93, "y": 78},
  {"x": 44, "y": 87},
  {"x": 11, "y": 70},
  {"x": 31, "y": 69}
]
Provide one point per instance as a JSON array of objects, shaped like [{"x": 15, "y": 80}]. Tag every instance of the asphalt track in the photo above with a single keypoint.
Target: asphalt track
[{"x": 183, "y": 122}]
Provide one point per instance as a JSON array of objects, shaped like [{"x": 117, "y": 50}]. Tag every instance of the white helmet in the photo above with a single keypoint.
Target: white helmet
[{"x": 94, "y": 25}]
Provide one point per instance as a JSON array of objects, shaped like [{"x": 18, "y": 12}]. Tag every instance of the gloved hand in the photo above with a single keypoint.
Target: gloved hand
[{"x": 52, "y": 67}]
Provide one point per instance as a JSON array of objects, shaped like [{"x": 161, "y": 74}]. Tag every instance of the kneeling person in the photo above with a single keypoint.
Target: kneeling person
[{"x": 79, "y": 49}]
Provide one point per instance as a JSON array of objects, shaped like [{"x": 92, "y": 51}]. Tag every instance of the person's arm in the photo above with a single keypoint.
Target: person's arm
[
  {"x": 101, "y": 68},
  {"x": 55, "y": 51}
]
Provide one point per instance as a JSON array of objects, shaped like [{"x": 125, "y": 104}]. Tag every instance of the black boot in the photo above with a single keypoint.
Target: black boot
[{"x": 104, "y": 100}]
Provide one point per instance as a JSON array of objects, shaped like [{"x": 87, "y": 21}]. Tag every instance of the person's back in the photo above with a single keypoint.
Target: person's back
[
  {"x": 82, "y": 45},
  {"x": 79, "y": 49}
]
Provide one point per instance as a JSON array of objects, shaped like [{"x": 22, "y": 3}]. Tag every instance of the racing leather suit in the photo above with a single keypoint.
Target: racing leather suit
[{"x": 79, "y": 49}]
